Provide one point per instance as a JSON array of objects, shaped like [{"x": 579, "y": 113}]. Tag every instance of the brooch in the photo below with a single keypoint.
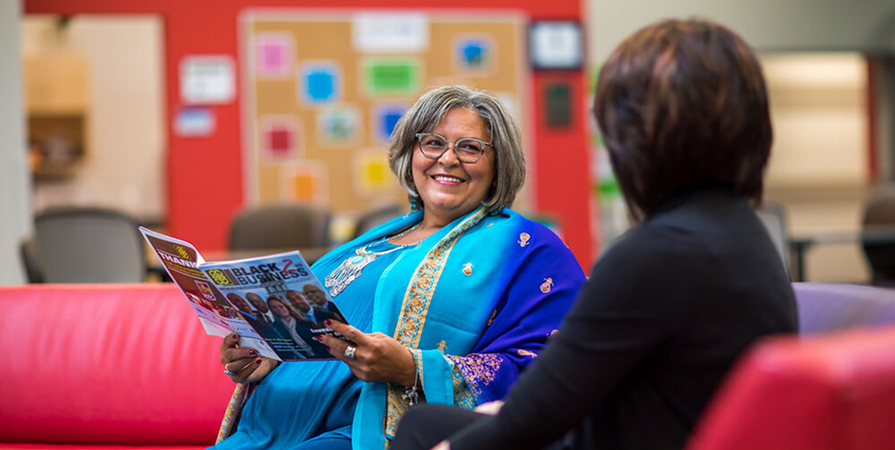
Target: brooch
[{"x": 547, "y": 285}]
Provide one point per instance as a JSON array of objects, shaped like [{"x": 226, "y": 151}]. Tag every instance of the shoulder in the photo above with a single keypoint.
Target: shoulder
[
  {"x": 514, "y": 239},
  {"x": 507, "y": 224}
]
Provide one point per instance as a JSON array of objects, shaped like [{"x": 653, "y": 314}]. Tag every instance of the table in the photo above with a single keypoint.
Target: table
[{"x": 798, "y": 246}]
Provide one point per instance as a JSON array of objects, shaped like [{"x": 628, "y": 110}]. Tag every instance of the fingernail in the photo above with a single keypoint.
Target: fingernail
[
  {"x": 252, "y": 352},
  {"x": 258, "y": 361},
  {"x": 327, "y": 348},
  {"x": 235, "y": 336},
  {"x": 328, "y": 322},
  {"x": 317, "y": 338}
]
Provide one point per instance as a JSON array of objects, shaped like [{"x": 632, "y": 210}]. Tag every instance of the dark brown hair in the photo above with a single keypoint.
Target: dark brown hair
[{"x": 682, "y": 103}]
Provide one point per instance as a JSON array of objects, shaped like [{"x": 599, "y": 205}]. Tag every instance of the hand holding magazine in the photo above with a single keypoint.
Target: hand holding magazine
[{"x": 274, "y": 302}]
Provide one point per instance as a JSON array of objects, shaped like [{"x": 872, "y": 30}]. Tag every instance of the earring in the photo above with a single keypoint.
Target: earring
[{"x": 413, "y": 204}]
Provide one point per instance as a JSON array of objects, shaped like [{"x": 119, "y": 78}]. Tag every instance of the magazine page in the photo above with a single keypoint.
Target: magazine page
[
  {"x": 282, "y": 299},
  {"x": 181, "y": 260}
]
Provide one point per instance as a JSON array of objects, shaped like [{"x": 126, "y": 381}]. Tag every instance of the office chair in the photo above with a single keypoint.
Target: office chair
[
  {"x": 284, "y": 226},
  {"x": 878, "y": 230},
  {"x": 376, "y": 217},
  {"x": 88, "y": 245},
  {"x": 773, "y": 216},
  {"x": 30, "y": 263}
]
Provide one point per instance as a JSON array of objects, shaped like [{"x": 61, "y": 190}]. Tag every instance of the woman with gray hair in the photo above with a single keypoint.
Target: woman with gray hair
[{"x": 447, "y": 304}]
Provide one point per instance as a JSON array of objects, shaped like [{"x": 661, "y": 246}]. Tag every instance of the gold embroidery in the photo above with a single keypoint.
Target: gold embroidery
[
  {"x": 491, "y": 319},
  {"x": 523, "y": 352},
  {"x": 470, "y": 373},
  {"x": 547, "y": 285},
  {"x": 467, "y": 269},
  {"x": 523, "y": 239},
  {"x": 442, "y": 345},
  {"x": 417, "y": 298}
]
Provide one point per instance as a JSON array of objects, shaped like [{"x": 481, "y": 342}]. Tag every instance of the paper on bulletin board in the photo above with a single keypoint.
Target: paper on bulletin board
[
  {"x": 321, "y": 82},
  {"x": 474, "y": 55},
  {"x": 207, "y": 80},
  {"x": 339, "y": 126},
  {"x": 391, "y": 76},
  {"x": 304, "y": 181},
  {"x": 390, "y": 32},
  {"x": 371, "y": 171},
  {"x": 385, "y": 118},
  {"x": 280, "y": 137},
  {"x": 273, "y": 55}
]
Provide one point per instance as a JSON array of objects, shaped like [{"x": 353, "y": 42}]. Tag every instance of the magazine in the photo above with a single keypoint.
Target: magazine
[{"x": 274, "y": 302}]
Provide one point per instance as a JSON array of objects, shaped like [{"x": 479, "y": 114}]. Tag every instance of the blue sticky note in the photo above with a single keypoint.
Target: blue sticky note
[
  {"x": 473, "y": 54},
  {"x": 321, "y": 84},
  {"x": 388, "y": 119}
]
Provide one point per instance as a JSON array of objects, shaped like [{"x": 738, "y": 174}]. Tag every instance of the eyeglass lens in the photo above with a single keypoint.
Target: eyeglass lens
[{"x": 468, "y": 150}]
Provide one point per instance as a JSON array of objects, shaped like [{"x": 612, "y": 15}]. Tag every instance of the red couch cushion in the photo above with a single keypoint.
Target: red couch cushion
[
  {"x": 829, "y": 392},
  {"x": 107, "y": 364}
]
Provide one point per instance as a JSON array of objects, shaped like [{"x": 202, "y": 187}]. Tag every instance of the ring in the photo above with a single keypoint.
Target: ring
[
  {"x": 227, "y": 370},
  {"x": 349, "y": 352}
]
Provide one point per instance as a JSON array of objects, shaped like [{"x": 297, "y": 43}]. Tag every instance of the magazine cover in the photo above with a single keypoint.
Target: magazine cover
[{"x": 275, "y": 303}]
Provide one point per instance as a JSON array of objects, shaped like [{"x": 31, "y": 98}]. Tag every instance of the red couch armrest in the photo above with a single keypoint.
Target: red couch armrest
[
  {"x": 826, "y": 392},
  {"x": 107, "y": 364}
]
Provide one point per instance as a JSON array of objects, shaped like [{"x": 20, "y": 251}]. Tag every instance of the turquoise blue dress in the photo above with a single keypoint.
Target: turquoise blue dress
[{"x": 475, "y": 302}]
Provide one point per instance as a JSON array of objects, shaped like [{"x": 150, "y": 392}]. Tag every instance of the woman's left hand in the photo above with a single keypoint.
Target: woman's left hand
[{"x": 377, "y": 357}]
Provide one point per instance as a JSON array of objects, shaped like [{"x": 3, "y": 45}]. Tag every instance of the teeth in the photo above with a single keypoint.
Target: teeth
[{"x": 447, "y": 178}]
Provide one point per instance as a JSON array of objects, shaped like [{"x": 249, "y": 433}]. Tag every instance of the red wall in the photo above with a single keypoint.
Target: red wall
[{"x": 205, "y": 185}]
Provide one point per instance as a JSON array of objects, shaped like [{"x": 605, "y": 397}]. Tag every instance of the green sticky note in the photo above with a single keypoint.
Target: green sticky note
[{"x": 392, "y": 76}]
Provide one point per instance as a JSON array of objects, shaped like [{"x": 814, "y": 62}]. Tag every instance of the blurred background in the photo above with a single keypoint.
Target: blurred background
[{"x": 184, "y": 114}]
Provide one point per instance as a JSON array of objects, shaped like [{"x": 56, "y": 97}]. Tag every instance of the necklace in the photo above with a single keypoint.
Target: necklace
[{"x": 350, "y": 269}]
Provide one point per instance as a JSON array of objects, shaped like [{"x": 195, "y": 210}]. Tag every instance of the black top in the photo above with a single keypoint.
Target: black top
[{"x": 666, "y": 312}]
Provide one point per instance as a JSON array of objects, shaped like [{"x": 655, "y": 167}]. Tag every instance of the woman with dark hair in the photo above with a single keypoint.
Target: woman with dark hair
[
  {"x": 447, "y": 303},
  {"x": 683, "y": 110}
]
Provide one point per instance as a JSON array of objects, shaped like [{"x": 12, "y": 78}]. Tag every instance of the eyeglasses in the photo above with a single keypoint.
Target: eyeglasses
[{"x": 468, "y": 150}]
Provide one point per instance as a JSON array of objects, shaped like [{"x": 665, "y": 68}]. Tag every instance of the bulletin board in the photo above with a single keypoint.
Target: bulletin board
[{"x": 324, "y": 90}]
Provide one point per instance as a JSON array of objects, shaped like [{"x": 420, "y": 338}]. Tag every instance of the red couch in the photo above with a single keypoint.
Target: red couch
[
  {"x": 130, "y": 365},
  {"x": 113, "y": 365}
]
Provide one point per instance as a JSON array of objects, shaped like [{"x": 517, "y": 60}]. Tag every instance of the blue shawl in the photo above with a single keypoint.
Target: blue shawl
[{"x": 475, "y": 302}]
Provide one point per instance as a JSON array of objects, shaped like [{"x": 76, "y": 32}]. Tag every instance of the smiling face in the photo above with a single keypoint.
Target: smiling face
[
  {"x": 278, "y": 307},
  {"x": 449, "y": 189},
  {"x": 298, "y": 301},
  {"x": 314, "y": 294},
  {"x": 238, "y": 302},
  {"x": 257, "y": 302}
]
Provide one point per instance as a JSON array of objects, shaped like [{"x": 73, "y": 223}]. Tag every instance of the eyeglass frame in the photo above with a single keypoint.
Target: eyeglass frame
[{"x": 419, "y": 143}]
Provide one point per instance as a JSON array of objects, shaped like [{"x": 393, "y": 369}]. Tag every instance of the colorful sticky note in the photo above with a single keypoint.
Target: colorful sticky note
[
  {"x": 473, "y": 54},
  {"x": 372, "y": 171},
  {"x": 321, "y": 83},
  {"x": 391, "y": 76},
  {"x": 339, "y": 126},
  {"x": 278, "y": 137},
  {"x": 273, "y": 55},
  {"x": 386, "y": 117},
  {"x": 304, "y": 182}
]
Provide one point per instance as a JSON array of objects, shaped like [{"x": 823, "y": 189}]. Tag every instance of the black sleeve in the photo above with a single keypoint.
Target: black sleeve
[{"x": 628, "y": 308}]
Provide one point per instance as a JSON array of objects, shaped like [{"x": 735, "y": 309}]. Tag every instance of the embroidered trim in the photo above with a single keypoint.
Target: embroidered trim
[
  {"x": 417, "y": 299},
  {"x": 231, "y": 414}
]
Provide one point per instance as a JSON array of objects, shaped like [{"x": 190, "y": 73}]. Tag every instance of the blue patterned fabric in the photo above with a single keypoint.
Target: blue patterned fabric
[{"x": 475, "y": 301}]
